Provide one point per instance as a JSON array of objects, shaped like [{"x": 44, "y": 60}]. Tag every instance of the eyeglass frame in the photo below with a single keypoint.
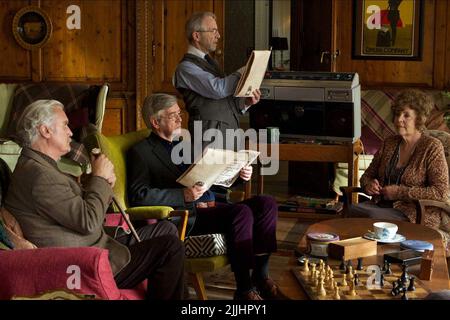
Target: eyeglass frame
[
  {"x": 215, "y": 31},
  {"x": 173, "y": 116}
]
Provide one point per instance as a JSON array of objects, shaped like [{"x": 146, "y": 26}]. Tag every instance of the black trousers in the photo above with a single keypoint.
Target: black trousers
[{"x": 159, "y": 258}]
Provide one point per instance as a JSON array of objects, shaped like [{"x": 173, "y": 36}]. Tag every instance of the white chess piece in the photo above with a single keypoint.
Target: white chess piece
[{"x": 336, "y": 293}]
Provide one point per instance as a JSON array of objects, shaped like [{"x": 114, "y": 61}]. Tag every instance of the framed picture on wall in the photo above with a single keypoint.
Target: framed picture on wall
[
  {"x": 31, "y": 27},
  {"x": 387, "y": 29}
]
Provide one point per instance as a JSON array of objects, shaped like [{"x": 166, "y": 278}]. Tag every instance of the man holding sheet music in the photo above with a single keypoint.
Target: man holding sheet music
[
  {"x": 249, "y": 226},
  {"x": 207, "y": 92}
]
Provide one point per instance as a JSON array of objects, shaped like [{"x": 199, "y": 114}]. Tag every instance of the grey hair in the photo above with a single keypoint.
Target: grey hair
[
  {"x": 195, "y": 23},
  {"x": 154, "y": 104},
  {"x": 40, "y": 112}
]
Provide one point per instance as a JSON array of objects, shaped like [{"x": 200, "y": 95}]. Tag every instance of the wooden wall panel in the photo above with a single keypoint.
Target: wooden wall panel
[
  {"x": 385, "y": 72},
  {"x": 115, "y": 116},
  {"x": 15, "y": 62},
  {"x": 92, "y": 53},
  {"x": 446, "y": 62}
]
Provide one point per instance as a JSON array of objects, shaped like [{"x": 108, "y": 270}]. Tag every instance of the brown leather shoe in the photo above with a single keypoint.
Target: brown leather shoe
[
  {"x": 269, "y": 290},
  {"x": 250, "y": 295}
]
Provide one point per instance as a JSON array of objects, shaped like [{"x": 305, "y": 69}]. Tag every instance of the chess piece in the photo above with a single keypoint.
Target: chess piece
[
  {"x": 404, "y": 296},
  {"x": 306, "y": 266},
  {"x": 356, "y": 279},
  {"x": 349, "y": 264},
  {"x": 360, "y": 265},
  {"x": 384, "y": 266},
  {"x": 342, "y": 265},
  {"x": 404, "y": 276},
  {"x": 388, "y": 269},
  {"x": 313, "y": 271},
  {"x": 321, "y": 290},
  {"x": 411, "y": 286},
  {"x": 344, "y": 282},
  {"x": 332, "y": 284},
  {"x": 350, "y": 270},
  {"x": 336, "y": 293},
  {"x": 352, "y": 289}
]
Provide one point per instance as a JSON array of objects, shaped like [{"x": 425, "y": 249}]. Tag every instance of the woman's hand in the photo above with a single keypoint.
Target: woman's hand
[
  {"x": 246, "y": 173},
  {"x": 390, "y": 192},
  {"x": 373, "y": 188}
]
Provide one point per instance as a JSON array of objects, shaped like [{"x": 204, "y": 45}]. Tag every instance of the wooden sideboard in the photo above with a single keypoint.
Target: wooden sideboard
[{"x": 347, "y": 152}]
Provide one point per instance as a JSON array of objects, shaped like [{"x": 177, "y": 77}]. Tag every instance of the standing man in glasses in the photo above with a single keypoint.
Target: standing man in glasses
[{"x": 207, "y": 92}]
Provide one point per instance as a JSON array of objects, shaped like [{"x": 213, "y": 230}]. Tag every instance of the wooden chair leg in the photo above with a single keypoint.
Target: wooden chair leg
[{"x": 199, "y": 285}]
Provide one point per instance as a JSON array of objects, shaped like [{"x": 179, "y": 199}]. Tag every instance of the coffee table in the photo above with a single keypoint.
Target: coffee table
[{"x": 355, "y": 227}]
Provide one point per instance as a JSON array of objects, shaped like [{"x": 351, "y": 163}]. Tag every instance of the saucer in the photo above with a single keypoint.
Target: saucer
[{"x": 398, "y": 238}]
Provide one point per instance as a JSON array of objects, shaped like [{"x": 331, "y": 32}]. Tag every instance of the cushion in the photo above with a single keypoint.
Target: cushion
[
  {"x": 6, "y": 95},
  {"x": 206, "y": 245},
  {"x": 376, "y": 111},
  {"x": 14, "y": 231}
]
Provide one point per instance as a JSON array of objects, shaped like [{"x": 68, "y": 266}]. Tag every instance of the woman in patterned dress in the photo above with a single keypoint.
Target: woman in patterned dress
[{"x": 409, "y": 165}]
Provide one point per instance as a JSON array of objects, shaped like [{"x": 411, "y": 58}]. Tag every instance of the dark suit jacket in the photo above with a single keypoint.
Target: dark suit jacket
[
  {"x": 54, "y": 211},
  {"x": 151, "y": 176}
]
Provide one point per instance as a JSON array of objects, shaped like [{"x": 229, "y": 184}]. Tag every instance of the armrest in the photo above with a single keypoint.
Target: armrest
[
  {"x": 149, "y": 212},
  {"x": 347, "y": 192},
  {"x": 84, "y": 270},
  {"x": 421, "y": 204},
  {"x": 184, "y": 215}
]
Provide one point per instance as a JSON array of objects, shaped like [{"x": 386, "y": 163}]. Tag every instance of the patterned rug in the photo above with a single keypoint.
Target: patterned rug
[{"x": 220, "y": 285}]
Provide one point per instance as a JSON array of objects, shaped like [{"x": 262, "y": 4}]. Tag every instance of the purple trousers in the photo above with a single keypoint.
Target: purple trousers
[{"x": 250, "y": 227}]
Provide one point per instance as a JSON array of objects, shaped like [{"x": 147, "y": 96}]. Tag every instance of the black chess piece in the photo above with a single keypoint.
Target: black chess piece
[
  {"x": 360, "y": 265},
  {"x": 384, "y": 266},
  {"x": 411, "y": 286},
  {"x": 356, "y": 279},
  {"x": 404, "y": 296},
  {"x": 394, "y": 290},
  {"x": 382, "y": 280},
  {"x": 388, "y": 269},
  {"x": 349, "y": 264},
  {"x": 404, "y": 276},
  {"x": 342, "y": 265}
]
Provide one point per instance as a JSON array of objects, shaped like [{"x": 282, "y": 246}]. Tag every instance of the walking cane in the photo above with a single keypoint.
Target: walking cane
[{"x": 96, "y": 152}]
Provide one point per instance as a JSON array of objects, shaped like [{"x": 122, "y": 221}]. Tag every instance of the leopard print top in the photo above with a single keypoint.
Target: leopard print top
[{"x": 425, "y": 177}]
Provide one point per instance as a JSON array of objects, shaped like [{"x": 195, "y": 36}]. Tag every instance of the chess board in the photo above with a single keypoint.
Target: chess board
[{"x": 363, "y": 291}]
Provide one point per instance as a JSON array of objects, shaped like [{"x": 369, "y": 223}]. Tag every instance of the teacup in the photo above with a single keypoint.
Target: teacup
[{"x": 385, "y": 230}]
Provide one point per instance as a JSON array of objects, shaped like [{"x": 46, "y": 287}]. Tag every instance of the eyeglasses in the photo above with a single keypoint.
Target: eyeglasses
[
  {"x": 215, "y": 31},
  {"x": 174, "y": 116}
]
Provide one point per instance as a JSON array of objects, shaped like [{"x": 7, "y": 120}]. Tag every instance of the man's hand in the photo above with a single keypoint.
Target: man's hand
[
  {"x": 246, "y": 173},
  {"x": 193, "y": 193},
  {"x": 103, "y": 167},
  {"x": 390, "y": 192},
  {"x": 373, "y": 188},
  {"x": 253, "y": 100},
  {"x": 241, "y": 70}
]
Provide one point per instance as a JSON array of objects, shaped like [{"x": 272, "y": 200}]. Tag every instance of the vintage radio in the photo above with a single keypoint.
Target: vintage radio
[{"x": 310, "y": 106}]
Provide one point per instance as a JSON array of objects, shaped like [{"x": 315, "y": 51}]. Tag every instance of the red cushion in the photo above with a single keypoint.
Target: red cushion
[{"x": 31, "y": 272}]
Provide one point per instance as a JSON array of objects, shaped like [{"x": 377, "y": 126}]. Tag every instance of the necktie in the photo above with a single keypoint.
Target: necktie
[{"x": 210, "y": 60}]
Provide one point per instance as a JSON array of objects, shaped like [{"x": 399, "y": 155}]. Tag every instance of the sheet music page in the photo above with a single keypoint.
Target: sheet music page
[
  {"x": 217, "y": 166},
  {"x": 254, "y": 73}
]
